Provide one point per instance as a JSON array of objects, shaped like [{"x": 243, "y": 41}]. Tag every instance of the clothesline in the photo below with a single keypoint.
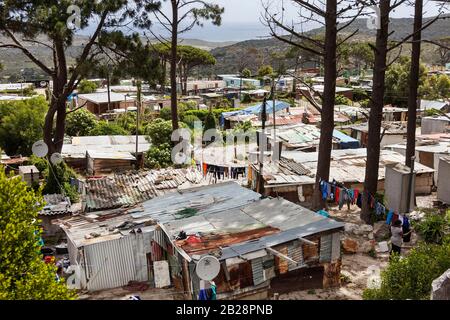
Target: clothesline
[{"x": 333, "y": 191}]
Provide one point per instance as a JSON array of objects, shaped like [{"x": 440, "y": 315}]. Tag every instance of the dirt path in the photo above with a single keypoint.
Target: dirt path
[{"x": 356, "y": 269}]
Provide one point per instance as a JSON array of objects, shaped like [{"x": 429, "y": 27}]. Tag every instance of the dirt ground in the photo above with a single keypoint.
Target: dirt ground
[
  {"x": 356, "y": 271},
  {"x": 121, "y": 294}
]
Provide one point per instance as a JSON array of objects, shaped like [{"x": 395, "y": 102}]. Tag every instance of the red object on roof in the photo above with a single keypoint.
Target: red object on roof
[{"x": 193, "y": 239}]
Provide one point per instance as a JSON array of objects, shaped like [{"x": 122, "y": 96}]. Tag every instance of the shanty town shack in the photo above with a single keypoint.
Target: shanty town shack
[{"x": 264, "y": 246}]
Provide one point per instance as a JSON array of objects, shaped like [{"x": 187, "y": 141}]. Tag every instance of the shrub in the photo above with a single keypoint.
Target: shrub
[
  {"x": 411, "y": 277},
  {"x": 433, "y": 227},
  {"x": 104, "y": 128},
  {"x": 340, "y": 99},
  {"x": 159, "y": 156},
  {"x": 80, "y": 123}
]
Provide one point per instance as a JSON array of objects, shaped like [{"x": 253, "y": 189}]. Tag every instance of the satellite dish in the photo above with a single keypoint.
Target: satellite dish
[
  {"x": 56, "y": 158},
  {"x": 39, "y": 149},
  {"x": 180, "y": 158},
  {"x": 207, "y": 268}
]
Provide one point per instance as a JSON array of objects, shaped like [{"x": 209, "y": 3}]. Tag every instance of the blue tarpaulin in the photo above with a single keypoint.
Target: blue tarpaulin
[
  {"x": 345, "y": 141},
  {"x": 256, "y": 109}
]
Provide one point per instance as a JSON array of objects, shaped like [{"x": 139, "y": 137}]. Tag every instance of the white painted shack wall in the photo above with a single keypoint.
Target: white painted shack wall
[
  {"x": 433, "y": 125},
  {"x": 396, "y": 189},
  {"x": 114, "y": 263},
  {"x": 443, "y": 189},
  {"x": 391, "y": 139}
]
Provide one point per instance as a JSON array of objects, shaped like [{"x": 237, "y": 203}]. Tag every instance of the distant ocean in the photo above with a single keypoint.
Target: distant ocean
[
  {"x": 225, "y": 32},
  {"x": 228, "y": 32}
]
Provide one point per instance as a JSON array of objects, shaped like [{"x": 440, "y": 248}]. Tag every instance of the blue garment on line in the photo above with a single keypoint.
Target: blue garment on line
[{"x": 389, "y": 217}]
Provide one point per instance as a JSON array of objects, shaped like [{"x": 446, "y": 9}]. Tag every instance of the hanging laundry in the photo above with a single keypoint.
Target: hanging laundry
[
  {"x": 337, "y": 194},
  {"x": 328, "y": 189},
  {"x": 323, "y": 190},
  {"x": 406, "y": 230},
  {"x": 390, "y": 215},
  {"x": 341, "y": 198},
  {"x": 379, "y": 209},
  {"x": 355, "y": 195},
  {"x": 359, "y": 200},
  {"x": 394, "y": 218}
]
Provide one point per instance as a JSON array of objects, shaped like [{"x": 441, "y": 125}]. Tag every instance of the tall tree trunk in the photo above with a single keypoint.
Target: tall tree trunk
[
  {"x": 376, "y": 110},
  {"x": 327, "y": 116},
  {"x": 173, "y": 66},
  {"x": 54, "y": 134},
  {"x": 414, "y": 84}
]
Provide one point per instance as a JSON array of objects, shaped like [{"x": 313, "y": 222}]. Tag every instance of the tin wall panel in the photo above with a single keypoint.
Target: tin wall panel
[
  {"x": 295, "y": 253},
  {"x": 113, "y": 263},
  {"x": 258, "y": 271},
  {"x": 336, "y": 247},
  {"x": 325, "y": 248}
]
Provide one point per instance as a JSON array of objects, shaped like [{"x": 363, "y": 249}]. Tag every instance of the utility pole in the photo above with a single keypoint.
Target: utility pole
[
  {"x": 261, "y": 147},
  {"x": 137, "y": 120},
  {"x": 107, "y": 84}
]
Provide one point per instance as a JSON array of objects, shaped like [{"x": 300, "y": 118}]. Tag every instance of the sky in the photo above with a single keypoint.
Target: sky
[{"x": 242, "y": 19}]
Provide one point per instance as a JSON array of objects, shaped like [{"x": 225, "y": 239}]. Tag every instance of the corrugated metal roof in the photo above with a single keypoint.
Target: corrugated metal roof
[
  {"x": 130, "y": 188},
  {"x": 125, "y": 144},
  {"x": 266, "y": 221},
  {"x": 56, "y": 204},
  {"x": 102, "y": 97},
  {"x": 347, "y": 165},
  {"x": 110, "y": 155},
  {"x": 222, "y": 197}
]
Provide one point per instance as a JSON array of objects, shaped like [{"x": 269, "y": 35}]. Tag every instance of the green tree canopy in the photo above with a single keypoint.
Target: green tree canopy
[
  {"x": 23, "y": 273},
  {"x": 246, "y": 73},
  {"x": 104, "y": 128},
  {"x": 265, "y": 70},
  {"x": 21, "y": 124},
  {"x": 80, "y": 123},
  {"x": 436, "y": 87},
  {"x": 86, "y": 86},
  {"x": 397, "y": 82}
]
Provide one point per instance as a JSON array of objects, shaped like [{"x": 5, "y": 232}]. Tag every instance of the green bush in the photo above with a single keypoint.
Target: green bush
[
  {"x": 56, "y": 178},
  {"x": 80, "y": 123},
  {"x": 104, "y": 128},
  {"x": 341, "y": 100},
  {"x": 159, "y": 156},
  {"x": 433, "y": 227},
  {"x": 410, "y": 277},
  {"x": 21, "y": 124},
  {"x": 86, "y": 86}
]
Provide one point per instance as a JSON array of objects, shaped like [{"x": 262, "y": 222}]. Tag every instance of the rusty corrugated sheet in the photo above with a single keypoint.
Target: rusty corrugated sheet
[
  {"x": 295, "y": 253},
  {"x": 325, "y": 248},
  {"x": 257, "y": 271},
  {"x": 214, "y": 241},
  {"x": 336, "y": 247},
  {"x": 127, "y": 189}
]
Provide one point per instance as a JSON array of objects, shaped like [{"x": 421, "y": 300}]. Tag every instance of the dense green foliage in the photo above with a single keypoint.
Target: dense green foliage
[
  {"x": 265, "y": 70},
  {"x": 210, "y": 121},
  {"x": 23, "y": 273},
  {"x": 410, "y": 277},
  {"x": 104, "y": 128},
  {"x": 246, "y": 73},
  {"x": 57, "y": 178},
  {"x": 80, "y": 123},
  {"x": 434, "y": 227},
  {"x": 437, "y": 87},
  {"x": 86, "y": 86},
  {"x": 21, "y": 124},
  {"x": 341, "y": 100},
  {"x": 159, "y": 132}
]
